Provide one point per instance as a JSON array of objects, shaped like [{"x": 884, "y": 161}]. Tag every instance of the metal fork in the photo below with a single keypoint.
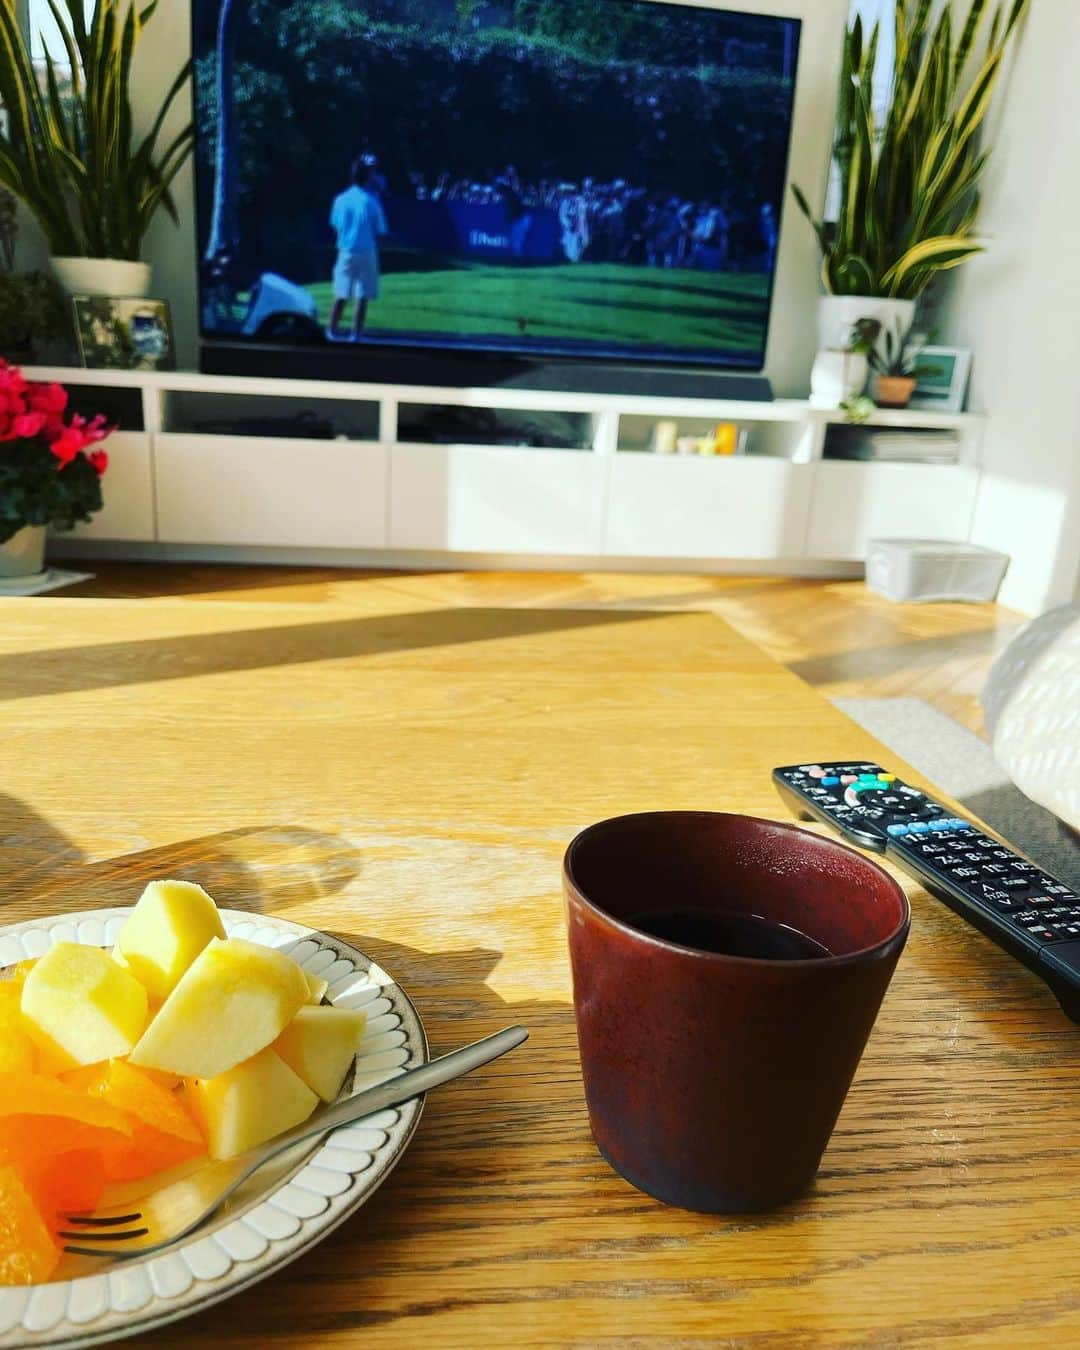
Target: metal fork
[{"x": 175, "y": 1211}]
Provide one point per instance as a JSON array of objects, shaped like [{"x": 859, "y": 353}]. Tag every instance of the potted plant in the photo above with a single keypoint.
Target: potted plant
[
  {"x": 68, "y": 150},
  {"x": 33, "y": 311},
  {"x": 839, "y": 373},
  {"x": 895, "y": 365},
  {"x": 51, "y": 464},
  {"x": 908, "y": 188}
]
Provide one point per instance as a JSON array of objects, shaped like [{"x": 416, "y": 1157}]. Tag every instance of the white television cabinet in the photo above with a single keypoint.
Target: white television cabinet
[{"x": 373, "y": 496}]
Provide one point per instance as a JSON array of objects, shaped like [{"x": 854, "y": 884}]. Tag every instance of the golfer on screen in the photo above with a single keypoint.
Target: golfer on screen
[{"x": 357, "y": 219}]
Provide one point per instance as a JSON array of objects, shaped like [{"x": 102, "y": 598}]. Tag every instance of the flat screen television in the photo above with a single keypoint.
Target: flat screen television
[{"x": 586, "y": 181}]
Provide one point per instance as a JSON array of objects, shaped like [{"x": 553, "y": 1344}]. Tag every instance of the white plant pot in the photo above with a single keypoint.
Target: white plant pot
[
  {"x": 838, "y": 314},
  {"x": 102, "y": 276},
  {"x": 837, "y": 377},
  {"x": 23, "y": 555}
]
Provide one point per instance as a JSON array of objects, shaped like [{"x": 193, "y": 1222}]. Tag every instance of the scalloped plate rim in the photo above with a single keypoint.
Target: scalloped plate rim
[{"x": 162, "y": 1310}]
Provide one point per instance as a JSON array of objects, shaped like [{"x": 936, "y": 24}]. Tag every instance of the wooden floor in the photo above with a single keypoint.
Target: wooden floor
[{"x": 834, "y": 634}]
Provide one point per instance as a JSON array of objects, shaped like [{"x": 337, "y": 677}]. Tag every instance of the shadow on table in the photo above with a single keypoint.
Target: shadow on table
[
  {"x": 151, "y": 581},
  {"x": 107, "y": 665},
  {"x": 265, "y": 870}
]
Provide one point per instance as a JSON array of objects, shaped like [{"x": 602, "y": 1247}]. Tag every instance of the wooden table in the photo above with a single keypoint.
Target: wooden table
[{"x": 408, "y": 777}]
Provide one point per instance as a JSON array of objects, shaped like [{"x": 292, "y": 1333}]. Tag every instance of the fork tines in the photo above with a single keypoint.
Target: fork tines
[{"x": 92, "y": 1227}]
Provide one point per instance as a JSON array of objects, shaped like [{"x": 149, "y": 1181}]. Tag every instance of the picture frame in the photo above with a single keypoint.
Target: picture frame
[
  {"x": 123, "y": 333},
  {"x": 942, "y": 387}
]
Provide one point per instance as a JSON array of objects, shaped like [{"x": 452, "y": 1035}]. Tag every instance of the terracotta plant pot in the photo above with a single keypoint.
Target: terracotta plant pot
[{"x": 894, "y": 391}]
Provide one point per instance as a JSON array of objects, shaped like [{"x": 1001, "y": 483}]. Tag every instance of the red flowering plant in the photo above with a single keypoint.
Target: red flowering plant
[{"x": 50, "y": 460}]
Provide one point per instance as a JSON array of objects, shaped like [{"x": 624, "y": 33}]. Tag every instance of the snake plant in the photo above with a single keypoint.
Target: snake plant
[
  {"x": 908, "y": 198},
  {"x": 68, "y": 150}
]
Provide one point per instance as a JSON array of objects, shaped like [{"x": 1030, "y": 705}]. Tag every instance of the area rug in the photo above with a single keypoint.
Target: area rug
[{"x": 964, "y": 767}]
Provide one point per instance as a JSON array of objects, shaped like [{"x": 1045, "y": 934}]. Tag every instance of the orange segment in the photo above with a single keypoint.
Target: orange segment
[
  {"x": 66, "y": 1183},
  {"x": 163, "y": 1133},
  {"x": 16, "y": 1047},
  {"x": 39, "y": 1116},
  {"x": 135, "y": 1091},
  {"x": 28, "y": 1254}
]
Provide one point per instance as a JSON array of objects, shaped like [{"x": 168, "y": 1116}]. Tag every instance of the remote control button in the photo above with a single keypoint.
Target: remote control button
[
  {"x": 994, "y": 870},
  {"x": 886, "y": 778},
  {"x": 897, "y": 830},
  {"x": 1013, "y": 884},
  {"x": 931, "y": 809},
  {"x": 816, "y": 772},
  {"x": 892, "y": 800},
  {"x": 908, "y": 791},
  {"x": 846, "y": 778},
  {"x": 919, "y": 827},
  {"x": 830, "y": 780},
  {"x": 1025, "y": 867},
  {"x": 1041, "y": 900},
  {"x": 949, "y": 860},
  {"x": 984, "y": 892},
  {"x": 966, "y": 873},
  {"x": 1056, "y": 888}
]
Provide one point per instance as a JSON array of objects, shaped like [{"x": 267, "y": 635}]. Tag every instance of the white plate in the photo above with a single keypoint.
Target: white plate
[{"x": 280, "y": 1216}]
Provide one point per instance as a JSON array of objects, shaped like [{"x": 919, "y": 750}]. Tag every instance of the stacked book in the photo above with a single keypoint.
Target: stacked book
[{"x": 891, "y": 446}]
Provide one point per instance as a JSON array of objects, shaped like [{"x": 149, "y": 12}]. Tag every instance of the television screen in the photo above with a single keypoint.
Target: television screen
[{"x": 598, "y": 178}]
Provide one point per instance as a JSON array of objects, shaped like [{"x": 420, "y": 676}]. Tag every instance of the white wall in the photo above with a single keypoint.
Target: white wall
[
  {"x": 165, "y": 46},
  {"x": 1018, "y": 308}
]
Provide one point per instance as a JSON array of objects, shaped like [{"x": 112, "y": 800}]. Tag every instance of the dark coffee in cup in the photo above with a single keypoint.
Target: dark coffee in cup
[{"x": 729, "y": 934}]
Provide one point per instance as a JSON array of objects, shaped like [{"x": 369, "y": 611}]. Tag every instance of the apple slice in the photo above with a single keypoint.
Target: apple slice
[
  {"x": 78, "y": 1002},
  {"x": 233, "y": 1000},
  {"x": 248, "y": 1104},
  {"x": 320, "y": 1044},
  {"x": 166, "y": 931},
  {"x": 317, "y": 987}
]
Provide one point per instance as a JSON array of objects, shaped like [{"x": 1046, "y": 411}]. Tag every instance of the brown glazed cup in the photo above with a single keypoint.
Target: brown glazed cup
[{"x": 713, "y": 1082}]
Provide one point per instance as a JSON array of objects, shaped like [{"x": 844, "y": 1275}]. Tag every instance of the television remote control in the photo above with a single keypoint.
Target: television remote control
[{"x": 1035, "y": 917}]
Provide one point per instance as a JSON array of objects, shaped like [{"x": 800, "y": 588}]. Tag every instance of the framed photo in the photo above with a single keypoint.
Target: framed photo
[
  {"x": 942, "y": 379},
  {"x": 123, "y": 333}
]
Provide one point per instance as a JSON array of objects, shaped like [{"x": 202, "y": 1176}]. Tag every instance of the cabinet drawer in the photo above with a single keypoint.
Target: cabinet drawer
[
  {"x": 251, "y": 490},
  {"x": 857, "y": 501},
  {"x": 692, "y": 507},
  {"x": 127, "y": 490},
  {"x": 484, "y": 499}
]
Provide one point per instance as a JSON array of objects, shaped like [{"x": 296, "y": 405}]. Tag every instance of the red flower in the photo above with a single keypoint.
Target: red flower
[
  {"x": 27, "y": 424},
  {"x": 99, "y": 461},
  {"x": 12, "y": 380},
  {"x": 67, "y": 445},
  {"x": 50, "y": 399},
  {"x": 94, "y": 430},
  {"x": 47, "y": 398}
]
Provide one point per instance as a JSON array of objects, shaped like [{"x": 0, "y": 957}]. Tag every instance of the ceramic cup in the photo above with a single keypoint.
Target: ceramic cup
[{"x": 713, "y": 1081}]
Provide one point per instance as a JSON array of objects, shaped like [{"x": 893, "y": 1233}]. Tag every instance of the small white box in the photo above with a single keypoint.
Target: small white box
[{"x": 933, "y": 569}]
